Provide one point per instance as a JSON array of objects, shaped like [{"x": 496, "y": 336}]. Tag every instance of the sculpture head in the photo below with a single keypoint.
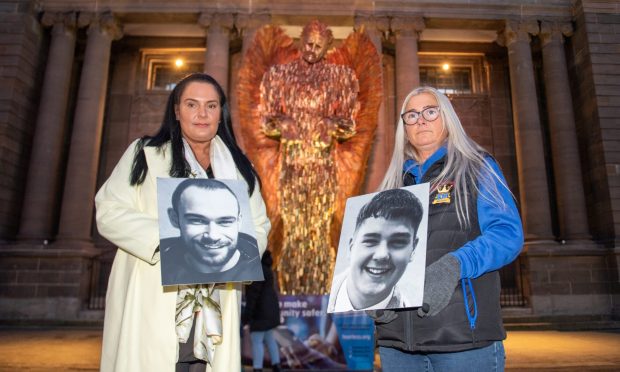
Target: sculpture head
[{"x": 315, "y": 40}]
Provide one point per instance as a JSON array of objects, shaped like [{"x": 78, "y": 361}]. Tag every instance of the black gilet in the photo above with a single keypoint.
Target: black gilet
[{"x": 450, "y": 330}]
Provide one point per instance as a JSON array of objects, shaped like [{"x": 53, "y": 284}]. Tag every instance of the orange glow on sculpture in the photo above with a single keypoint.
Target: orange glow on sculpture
[{"x": 312, "y": 122}]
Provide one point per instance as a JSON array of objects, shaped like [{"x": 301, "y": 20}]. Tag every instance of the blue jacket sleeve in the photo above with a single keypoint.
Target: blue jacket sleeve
[{"x": 501, "y": 238}]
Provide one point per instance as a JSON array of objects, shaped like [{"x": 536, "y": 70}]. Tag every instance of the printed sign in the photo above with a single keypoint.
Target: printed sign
[
  {"x": 382, "y": 251},
  {"x": 206, "y": 232}
]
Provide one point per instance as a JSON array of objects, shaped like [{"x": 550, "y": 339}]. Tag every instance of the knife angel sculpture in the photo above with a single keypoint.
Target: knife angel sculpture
[{"x": 308, "y": 116}]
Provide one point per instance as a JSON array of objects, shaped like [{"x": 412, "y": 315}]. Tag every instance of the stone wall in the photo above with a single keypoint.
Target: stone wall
[
  {"x": 42, "y": 283},
  {"x": 20, "y": 75},
  {"x": 36, "y": 282},
  {"x": 601, "y": 22},
  {"x": 596, "y": 68},
  {"x": 569, "y": 280},
  {"x": 582, "y": 277}
]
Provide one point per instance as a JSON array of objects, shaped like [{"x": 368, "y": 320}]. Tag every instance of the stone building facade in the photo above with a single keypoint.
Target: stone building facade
[{"x": 536, "y": 83}]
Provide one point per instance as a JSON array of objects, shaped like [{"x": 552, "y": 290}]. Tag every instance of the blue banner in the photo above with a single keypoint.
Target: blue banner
[
  {"x": 311, "y": 339},
  {"x": 356, "y": 335}
]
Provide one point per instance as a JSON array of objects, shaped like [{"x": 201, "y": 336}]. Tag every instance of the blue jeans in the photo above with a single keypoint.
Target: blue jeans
[
  {"x": 258, "y": 349},
  {"x": 490, "y": 358}
]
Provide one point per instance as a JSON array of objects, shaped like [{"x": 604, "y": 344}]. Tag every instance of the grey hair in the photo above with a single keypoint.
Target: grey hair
[{"x": 465, "y": 163}]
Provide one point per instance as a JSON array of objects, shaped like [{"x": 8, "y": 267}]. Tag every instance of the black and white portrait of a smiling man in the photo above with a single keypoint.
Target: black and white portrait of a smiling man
[
  {"x": 210, "y": 242},
  {"x": 382, "y": 251}
]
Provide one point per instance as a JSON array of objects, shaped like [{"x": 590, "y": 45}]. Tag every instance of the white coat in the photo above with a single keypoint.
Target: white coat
[{"x": 139, "y": 327}]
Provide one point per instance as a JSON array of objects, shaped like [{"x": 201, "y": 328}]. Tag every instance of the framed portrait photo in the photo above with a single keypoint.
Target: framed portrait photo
[
  {"x": 382, "y": 251},
  {"x": 206, "y": 232}
]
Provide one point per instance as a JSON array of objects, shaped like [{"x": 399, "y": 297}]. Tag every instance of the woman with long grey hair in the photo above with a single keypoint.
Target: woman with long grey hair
[{"x": 474, "y": 230}]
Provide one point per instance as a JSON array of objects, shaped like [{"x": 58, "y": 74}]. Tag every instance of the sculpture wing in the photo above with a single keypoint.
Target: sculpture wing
[
  {"x": 359, "y": 53},
  {"x": 271, "y": 46}
]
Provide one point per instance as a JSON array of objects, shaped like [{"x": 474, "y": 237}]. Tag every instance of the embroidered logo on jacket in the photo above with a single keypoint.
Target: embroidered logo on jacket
[{"x": 443, "y": 195}]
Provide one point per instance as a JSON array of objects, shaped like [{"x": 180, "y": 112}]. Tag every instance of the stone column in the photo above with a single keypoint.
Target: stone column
[
  {"x": 217, "y": 57},
  {"x": 533, "y": 188},
  {"x": 40, "y": 207},
  {"x": 248, "y": 24},
  {"x": 564, "y": 148},
  {"x": 406, "y": 30},
  {"x": 384, "y": 136},
  {"x": 78, "y": 204}
]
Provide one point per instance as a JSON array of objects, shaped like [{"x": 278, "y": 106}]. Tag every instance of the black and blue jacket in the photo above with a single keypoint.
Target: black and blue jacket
[{"x": 494, "y": 238}]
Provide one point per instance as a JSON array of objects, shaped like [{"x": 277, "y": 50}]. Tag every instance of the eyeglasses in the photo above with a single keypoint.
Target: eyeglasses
[{"x": 411, "y": 117}]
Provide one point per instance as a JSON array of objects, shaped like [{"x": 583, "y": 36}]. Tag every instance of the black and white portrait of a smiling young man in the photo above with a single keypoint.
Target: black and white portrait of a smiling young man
[
  {"x": 206, "y": 232},
  {"x": 382, "y": 251}
]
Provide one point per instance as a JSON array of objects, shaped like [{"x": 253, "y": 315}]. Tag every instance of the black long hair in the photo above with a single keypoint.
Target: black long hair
[{"x": 170, "y": 131}]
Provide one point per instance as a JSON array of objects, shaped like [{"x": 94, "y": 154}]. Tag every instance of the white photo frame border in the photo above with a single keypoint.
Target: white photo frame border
[{"x": 411, "y": 283}]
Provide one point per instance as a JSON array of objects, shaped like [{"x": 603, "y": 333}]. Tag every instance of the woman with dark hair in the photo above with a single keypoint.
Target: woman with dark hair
[
  {"x": 474, "y": 229},
  {"x": 149, "y": 327}
]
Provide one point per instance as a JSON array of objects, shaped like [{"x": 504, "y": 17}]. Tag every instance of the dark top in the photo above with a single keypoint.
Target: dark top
[
  {"x": 262, "y": 310},
  {"x": 174, "y": 269},
  {"x": 450, "y": 330}
]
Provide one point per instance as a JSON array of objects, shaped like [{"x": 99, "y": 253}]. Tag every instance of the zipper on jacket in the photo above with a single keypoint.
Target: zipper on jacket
[
  {"x": 472, "y": 316},
  {"x": 409, "y": 330}
]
